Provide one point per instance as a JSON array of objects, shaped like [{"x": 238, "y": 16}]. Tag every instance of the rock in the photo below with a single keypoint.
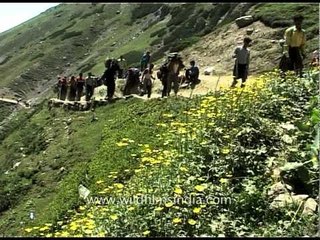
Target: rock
[
  {"x": 118, "y": 12},
  {"x": 16, "y": 165},
  {"x": 310, "y": 206},
  {"x": 249, "y": 31},
  {"x": 279, "y": 188},
  {"x": 244, "y": 21},
  {"x": 83, "y": 191},
  {"x": 208, "y": 71},
  {"x": 285, "y": 199},
  {"x": 273, "y": 41},
  {"x": 64, "y": 58}
]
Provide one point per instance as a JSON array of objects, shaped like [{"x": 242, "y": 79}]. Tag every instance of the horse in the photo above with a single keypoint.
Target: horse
[{"x": 170, "y": 72}]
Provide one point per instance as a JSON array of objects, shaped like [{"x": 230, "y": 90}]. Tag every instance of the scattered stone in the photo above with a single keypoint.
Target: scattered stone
[
  {"x": 279, "y": 188},
  {"x": 208, "y": 71},
  {"x": 16, "y": 165},
  {"x": 249, "y": 31},
  {"x": 310, "y": 206},
  {"x": 83, "y": 191}
]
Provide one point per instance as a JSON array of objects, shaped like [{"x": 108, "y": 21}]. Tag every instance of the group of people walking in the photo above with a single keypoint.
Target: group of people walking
[
  {"x": 142, "y": 79},
  {"x": 138, "y": 81}
]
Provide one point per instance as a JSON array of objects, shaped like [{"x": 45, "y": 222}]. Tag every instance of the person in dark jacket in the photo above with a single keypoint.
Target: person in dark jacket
[{"x": 109, "y": 77}]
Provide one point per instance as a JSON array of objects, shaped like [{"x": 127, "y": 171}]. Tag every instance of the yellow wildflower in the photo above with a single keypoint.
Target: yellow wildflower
[
  {"x": 28, "y": 229},
  {"x": 197, "y": 210},
  {"x": 177, "y": 220},
  {"x": 44, "y": 228},
  {"x": 99, "y": 182},
  {"x": 192, "y": 222},
  {"x": 169, "y": 204},
  {"x": 178, "y": 190},
  {"x": 122, "y": 144},
  {"x": 158, "y": 209},
  {"x": 119, "y": 185},
  {"x": 114, "y": 217},
  {"x": 146, "y": 233},
  {"x": 200, "y": 188},
  {"x": 225, "y": 150}
]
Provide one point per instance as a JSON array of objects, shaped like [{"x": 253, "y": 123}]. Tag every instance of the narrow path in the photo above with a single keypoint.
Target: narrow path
[{"x": 14, "y": 102}]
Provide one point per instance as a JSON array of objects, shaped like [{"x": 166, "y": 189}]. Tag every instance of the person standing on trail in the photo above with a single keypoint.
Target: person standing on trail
[
  {"x": 90, "y": 84},
  {"x": 63, "y": 88},
  {"x": 72, "y": 88},
  {"x": 192, "y": 74},
  {"x": 109, "y": 77},
  {"x": 80, "y": 85},
  {"x": 146, "y": 80},
  {"x": 123, "y": 67},
  {"x": 242, "y": 59},
  {"x": 145, "y": 61},
  {"x": 295, "y": 39},
  {"x": 162, "y": 75}
]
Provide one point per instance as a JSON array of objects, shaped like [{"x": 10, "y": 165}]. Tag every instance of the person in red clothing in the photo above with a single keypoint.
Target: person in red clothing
[{"x": 79, "y": 85}]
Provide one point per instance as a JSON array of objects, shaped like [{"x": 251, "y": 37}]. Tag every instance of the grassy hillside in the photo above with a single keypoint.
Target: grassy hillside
[
  {"x": 254, "y": 146},
  {"x": 234, "y": 145}
]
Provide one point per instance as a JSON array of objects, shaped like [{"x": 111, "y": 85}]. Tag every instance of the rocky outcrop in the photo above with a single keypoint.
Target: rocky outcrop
[{"x": 244, "y": 21}]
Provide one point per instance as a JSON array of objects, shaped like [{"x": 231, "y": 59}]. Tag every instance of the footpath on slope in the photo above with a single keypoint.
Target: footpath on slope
[{"x": 207, "y": 84}]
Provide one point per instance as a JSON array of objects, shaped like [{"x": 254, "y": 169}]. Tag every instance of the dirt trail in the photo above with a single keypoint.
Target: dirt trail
[
  {"x": 207, "y": 84},
  {"x": 13, "y": 102}
]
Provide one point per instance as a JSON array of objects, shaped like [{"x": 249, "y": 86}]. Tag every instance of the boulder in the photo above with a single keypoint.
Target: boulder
[
  {"x": 244, "y": 21},
  {"x": 286, "y": 199}
]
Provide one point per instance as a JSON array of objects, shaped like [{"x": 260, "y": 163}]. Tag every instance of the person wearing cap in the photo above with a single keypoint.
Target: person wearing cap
[
  {"x": 242, "y": 59},
  {"x": 295, "y": 38}
]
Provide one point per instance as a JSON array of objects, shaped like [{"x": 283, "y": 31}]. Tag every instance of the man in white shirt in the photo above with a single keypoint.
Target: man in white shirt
[{"x": 242, "y": 59}]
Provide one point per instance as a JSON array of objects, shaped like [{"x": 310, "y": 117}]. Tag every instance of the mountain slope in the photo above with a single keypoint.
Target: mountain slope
[{"x": 45, "y": 155}]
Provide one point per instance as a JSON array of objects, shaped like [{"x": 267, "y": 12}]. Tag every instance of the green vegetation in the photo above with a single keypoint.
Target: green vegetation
[{"x": 227, "y": 144}]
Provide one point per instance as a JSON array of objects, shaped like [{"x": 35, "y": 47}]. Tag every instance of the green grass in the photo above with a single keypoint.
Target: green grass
[{"x": 53, "y": 193}]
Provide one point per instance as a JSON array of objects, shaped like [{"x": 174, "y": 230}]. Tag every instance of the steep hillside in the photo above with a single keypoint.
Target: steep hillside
[{"x": 70, "y": 38}]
